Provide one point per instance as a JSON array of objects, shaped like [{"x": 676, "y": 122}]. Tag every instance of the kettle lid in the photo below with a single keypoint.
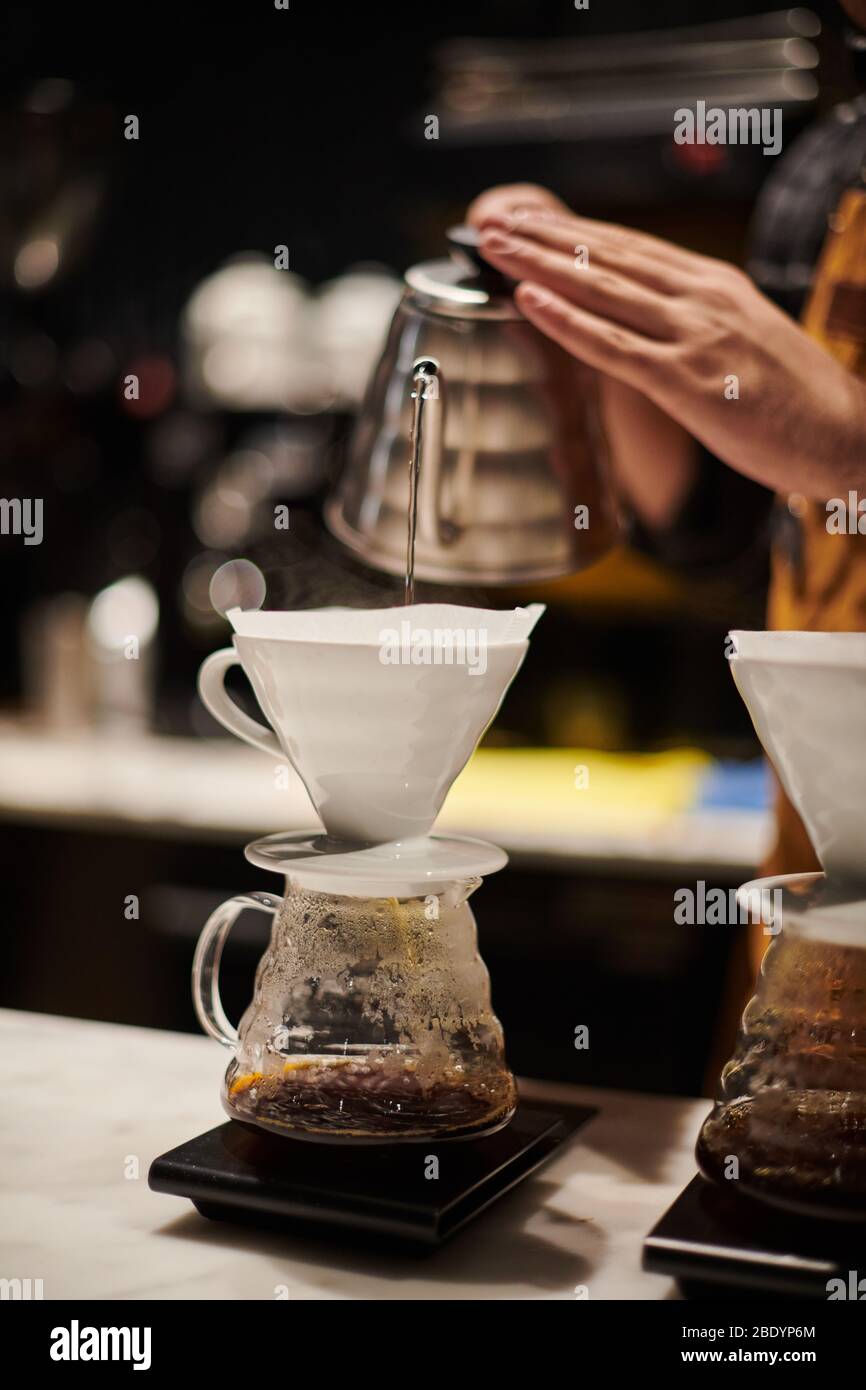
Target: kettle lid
[{"x": 464, "y": 286}]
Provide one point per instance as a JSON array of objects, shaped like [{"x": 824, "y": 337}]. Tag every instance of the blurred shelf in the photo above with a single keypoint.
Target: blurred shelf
[{"x": 641, "y": 814}]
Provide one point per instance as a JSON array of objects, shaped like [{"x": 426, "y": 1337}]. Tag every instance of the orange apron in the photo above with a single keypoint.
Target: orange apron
[{"x": 818, "y": 578}]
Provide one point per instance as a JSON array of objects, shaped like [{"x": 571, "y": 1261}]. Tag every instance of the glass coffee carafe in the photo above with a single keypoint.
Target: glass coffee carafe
[
  {"x": 792, "y": 1104},
  {"x": 371, "y": 1016}
]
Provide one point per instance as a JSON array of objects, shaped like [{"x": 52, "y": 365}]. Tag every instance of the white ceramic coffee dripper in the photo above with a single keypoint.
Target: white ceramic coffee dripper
[
  {"x": 377, "y": 710},
  {"x": 806, "y": 693}
]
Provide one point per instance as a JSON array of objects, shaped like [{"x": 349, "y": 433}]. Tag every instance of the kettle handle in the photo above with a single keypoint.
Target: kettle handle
[{"x": 206, "y": 962}]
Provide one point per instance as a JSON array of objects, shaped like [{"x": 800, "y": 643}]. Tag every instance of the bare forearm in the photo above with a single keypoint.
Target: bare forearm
[
  {"x": 818, "y": 451},
  {"x": 653, "y": 459}
]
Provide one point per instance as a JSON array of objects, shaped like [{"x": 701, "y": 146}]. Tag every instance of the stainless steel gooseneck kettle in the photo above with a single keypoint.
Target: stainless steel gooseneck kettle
[{"x": 499, "y": 426}]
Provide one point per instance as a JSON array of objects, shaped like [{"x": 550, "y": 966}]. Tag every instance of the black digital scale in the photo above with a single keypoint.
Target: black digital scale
[
  {"x": 393, "y": 1191},
  {"x": 714, "y": 1242},
  {"x": 718, "y": 1243}
]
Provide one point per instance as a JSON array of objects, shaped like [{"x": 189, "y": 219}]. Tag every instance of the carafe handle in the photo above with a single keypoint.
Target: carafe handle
[
  {"x": 206, "y": 962},
  {"x": 218, "y": 702}
]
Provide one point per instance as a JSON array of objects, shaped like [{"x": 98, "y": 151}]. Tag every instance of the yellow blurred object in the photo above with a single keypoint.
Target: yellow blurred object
[
  {"x": 575, "y": 788},
  {"x": 622, "y": 580}
]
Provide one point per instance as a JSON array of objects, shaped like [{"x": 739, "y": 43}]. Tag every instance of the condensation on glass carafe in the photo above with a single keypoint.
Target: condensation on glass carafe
[
  {"x": 792, "y": 1104},
  {"x": 371, "y": 1019}
]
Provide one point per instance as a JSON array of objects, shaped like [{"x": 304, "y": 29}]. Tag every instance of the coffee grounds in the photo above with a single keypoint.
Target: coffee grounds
[
  {"x": 805, "y": 1149},
  {"x": 367, "y": 1100}
]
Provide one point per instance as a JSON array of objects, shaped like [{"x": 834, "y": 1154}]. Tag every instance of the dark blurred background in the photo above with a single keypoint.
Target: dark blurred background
[{"x": 154, "y": 257}]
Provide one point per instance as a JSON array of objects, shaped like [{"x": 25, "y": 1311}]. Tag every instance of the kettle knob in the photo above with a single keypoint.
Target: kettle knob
[{"x": 463, "y": 242}]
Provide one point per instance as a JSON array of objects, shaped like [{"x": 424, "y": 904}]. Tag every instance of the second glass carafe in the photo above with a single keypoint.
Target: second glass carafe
[{"x": 792, "y": 1105}]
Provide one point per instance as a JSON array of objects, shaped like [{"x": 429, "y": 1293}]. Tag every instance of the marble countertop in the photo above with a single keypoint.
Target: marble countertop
[{"x": 89, "y": 1105}]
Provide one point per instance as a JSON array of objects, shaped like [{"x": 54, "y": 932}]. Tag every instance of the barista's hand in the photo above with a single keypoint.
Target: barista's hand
[
  {"x": 505, "y": 200},
  {"x": 687, "y": 332},
  {"x": 653, "y": 459}
]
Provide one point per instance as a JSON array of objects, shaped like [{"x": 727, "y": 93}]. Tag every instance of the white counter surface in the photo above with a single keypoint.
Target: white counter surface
[{"x": 89, "y": 1105}]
